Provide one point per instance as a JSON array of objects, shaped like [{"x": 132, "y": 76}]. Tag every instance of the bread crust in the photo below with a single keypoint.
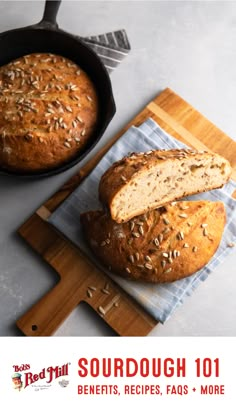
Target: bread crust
[
  {"x": 175, "y": 167},
  {"x": 163, "y": 245},
  {"x": 48, "y": 112}
]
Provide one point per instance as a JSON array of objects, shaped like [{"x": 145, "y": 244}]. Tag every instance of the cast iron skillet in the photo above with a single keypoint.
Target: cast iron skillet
[{"x": 47, "y": 37}]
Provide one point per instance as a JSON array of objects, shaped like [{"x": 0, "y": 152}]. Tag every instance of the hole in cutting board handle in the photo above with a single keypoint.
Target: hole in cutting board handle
[{"x": 34, "y": 327}]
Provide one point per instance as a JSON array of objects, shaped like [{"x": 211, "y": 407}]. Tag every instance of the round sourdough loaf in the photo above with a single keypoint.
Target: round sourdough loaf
[
  {"x": 48, "y": 112},
  {"x": 163, "y": 245}
]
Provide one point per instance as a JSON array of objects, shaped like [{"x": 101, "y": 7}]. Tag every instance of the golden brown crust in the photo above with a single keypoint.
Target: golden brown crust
[
  {"x": 160, "y": 246},
  {"x": 127, "y": 176},
  {"x": 48, "y": 112}
]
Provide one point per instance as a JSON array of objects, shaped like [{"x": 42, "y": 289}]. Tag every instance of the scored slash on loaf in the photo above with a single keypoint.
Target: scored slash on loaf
[
  {"x": 48, "y": 112},
  {"x": 144, "y": 181},
  {"x": 162, "y": 245}
]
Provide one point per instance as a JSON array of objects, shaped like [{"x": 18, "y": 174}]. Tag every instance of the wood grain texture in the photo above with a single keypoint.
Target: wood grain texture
[
  {"x": 78, "y": 278},
  {"x": 76, "y": 272},
  {"x": 188, "y": 125}
]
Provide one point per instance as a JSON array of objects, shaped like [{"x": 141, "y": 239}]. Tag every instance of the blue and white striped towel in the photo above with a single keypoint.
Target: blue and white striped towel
[
  {"x": 111, "y": 47},
  {"x": 159, "y": 300}
]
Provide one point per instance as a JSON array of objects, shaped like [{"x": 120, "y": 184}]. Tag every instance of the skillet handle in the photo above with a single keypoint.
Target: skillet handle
[{"x": 50, "y": 13}]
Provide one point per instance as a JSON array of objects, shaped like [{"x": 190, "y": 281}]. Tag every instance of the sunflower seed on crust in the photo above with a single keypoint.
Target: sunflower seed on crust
[
  {"x": 131, "y": 258},
  {"x": 166, "y": 221},
  {"x": 141, "y": 231},
  {"x": 156, "y": 242},
  {"x": 148, "y": 266},
  {"x": 160, "y": 237}
]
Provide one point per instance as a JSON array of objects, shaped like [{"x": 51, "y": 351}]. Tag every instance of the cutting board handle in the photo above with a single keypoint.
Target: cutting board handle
[
  {"x": 44, "y": 318},
  {"x": 80, "y": 281}
]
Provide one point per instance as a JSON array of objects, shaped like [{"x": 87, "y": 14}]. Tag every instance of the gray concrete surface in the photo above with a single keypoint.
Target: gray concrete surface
[{"x": 188, "y": 46}]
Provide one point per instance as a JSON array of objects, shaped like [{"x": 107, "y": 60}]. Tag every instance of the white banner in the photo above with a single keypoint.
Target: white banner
[{"x": 107, "y": 378}]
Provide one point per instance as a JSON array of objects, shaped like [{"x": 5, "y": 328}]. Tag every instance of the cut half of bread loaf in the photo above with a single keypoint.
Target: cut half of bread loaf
[
  {"x": 160, "y": 246},
  {"x": 144, "y": 181}
]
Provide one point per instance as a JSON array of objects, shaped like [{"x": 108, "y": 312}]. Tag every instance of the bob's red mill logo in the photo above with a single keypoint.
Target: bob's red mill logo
[{"x": 21, "y": 378}]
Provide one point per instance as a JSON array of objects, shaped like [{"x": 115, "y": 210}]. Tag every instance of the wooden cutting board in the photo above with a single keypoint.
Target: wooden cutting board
[{"x": 80, "y": 280}]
